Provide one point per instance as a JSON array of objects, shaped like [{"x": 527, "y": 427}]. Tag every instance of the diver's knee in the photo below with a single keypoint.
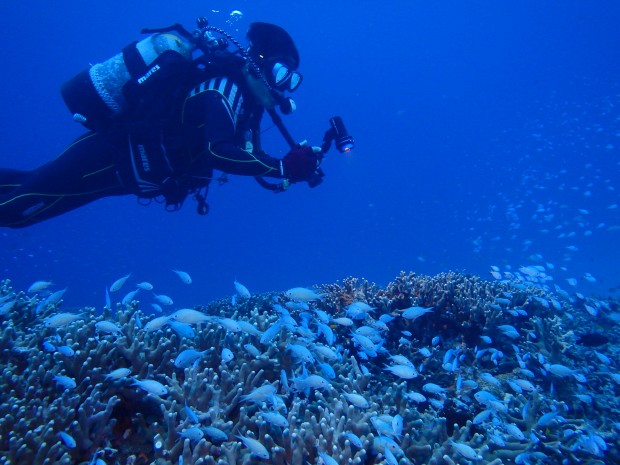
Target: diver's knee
[{"x": 14, "y": 218}]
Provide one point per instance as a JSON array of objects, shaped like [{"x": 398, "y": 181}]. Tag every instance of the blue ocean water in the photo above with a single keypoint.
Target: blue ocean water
[{"x": 487, "y": 135}]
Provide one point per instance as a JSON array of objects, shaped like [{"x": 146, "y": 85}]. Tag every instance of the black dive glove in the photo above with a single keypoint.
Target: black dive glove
[{"x": 302, "y": 163}]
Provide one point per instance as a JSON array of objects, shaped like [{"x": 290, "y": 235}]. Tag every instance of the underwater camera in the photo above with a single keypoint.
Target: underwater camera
[
  {"x": 338, "y": 134},
  {"x": 343, "y": 141}
]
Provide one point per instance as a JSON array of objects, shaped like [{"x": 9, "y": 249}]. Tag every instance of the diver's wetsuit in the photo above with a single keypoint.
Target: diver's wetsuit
[{"x": 215, "y": 128}]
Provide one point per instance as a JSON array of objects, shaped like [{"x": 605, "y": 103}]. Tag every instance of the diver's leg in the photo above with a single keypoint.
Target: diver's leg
[
  {"x": 87, "y": 170},
  {"x": 11, "y": 179}
]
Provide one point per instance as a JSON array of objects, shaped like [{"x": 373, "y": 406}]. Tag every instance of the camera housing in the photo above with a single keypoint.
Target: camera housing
[{"x": 339, "y": 135}]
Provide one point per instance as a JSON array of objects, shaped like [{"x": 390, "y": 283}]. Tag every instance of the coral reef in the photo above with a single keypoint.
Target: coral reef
[{"x": 497, "y": 373}]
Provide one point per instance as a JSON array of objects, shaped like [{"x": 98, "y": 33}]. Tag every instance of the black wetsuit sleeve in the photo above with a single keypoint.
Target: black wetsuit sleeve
[{"x": 229, "y": 158}]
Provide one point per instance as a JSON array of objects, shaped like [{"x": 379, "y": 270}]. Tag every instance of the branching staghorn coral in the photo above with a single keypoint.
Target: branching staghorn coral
[{"x": 120, "y": 423}]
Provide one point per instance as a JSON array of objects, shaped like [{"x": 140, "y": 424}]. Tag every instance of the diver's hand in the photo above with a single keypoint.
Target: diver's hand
[{"x": 301, "y": 163}]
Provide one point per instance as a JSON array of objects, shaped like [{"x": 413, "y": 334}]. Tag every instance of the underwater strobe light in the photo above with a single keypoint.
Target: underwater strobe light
[
  {"x": 338, "y": 133},
  {"x": 343, "y": 140}
]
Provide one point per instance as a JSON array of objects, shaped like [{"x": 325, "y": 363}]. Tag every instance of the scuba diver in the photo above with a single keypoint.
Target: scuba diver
[{"x": 161, "y": 121}]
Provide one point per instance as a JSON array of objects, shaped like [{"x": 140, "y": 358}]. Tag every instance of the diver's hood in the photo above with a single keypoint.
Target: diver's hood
[{"x": 268, "y": 42}]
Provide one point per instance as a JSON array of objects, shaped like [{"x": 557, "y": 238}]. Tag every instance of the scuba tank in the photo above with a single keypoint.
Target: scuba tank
[{"x": 106, "y": 91}]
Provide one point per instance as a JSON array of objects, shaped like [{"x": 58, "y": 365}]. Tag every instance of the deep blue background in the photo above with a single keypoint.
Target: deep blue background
[{"x": 469, "y": 118}]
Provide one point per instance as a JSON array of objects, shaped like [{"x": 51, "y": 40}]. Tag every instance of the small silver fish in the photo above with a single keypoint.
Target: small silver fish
[
  {"x": 186, "y": 358},
  {"x": 559, "y": 370},
  {"x": 242, "y": 291},
  {"x": 482, "y": 417},
  {"x": 397, "y": 424},
  {"x": 509, "y": 331},
  {"x": 412, "y": 313},
  {"x": 271, "y": 332},
  {"x": 390, "y": 459},
  {"x": 256, "y": 447},
  {"x": 424, "y": 352},
  {"x": 194, "y": 433},
  {"x": 39, "y": 286},
  {"x": 118, "y": 374},
  {"x": 302, "y": 294},
  {"x": 66, "y": 351},
  {"x": 54, "y": 298},
  {"x": 327, "y": 370},
  {"x": 524, "y": 384},
  {"x": 190, "y": 316},
  {"x": 129, "y": 297},
  {"x": 191, "y": 416},
  {"x": 67, "y": 439},
  {"x": 311, "y": 381},
  {"x": 402, "y": 371},
  {"x": 327, "y": 459},
  {"x": 514, "y": 431},
  {"x": 465, "y": 450},
  {"x": 156, "y": 323},
  {"x": 227, "y": 355},
  {"x": 343, "y": 321},
  {"x": 252, "y": 350},
  {"x": 61, "y": 319},
  {"x": 356, "y": 399},
  {"x": 116, "y": 285},
  {"x": 358, "y": 310},
  {"x": 300, "y": 352},
  {"x": 182, "y": 329},
  {"x": 65, "y": 381},
  {"x": 107, "y": 327},
  {"x": 325, "y": 352},
  {"x": 151, "y": 386},
  {"x": 229, "y": 324},
  {"x": 163, "y": 299},
  {"x": 275, "y": 419},
  {"x": 415, "y": 397},
  {"x": 489, "y": 378},
  {"x": 7, "y": 307},
  {"x": 184, "y": 276},
  {"x": 433, "y": 388},
  {"x": 260, "y": 394},
  {"x": 485, "y": 398},
  {"x": 401, "y": 360},
  {"x": 48, "y": 346},
  {"x": 215, "y": 434},
  {"x": 249, "y": 328},
  {"x": 354, "y": 439}
]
